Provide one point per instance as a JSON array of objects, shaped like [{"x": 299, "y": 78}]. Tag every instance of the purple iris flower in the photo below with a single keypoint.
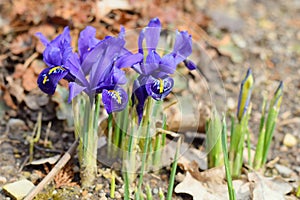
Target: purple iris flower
[
  {"x": 96, "y": 68},
  {"x": 154, "y": 70},
  {"x": 55, "y": 55}
]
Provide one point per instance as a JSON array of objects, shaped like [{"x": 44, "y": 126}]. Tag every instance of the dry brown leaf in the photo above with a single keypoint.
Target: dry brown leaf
[
  {"x": 51, "y": 160},
  {"x": 19, "y": 71},
  {"x": 8, "y": 100},
  {"x": 29, "y": 79},
  {"x": 15, "y": 88},
  {"x": 268, "y": 188},
  {"x": 193, "y": 187},
  {"x": 21, "y": 44},
  {"x": 105, "y": 6},
  {"x": 211, "y": 184}
]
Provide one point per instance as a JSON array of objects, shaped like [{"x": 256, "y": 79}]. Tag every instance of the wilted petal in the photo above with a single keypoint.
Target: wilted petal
[
  {"x": 114, "y": 100},
  {"x": 74, "y": 90},
  {"x": 49, "y": 77},
  {"x": 158, "y": 89},
  {"x": 245, "y": 94}
]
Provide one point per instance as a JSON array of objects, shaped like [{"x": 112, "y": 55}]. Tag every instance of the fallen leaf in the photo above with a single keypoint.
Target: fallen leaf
[
  {"x": 35, "y": 101},
  {"x": 51, "y": 160},
  {"x": 268, "y": 188},
  {"x": 224, "y": 20},
  {"x": 64, "y": 109},
  {"x": 228, "y": 48},
  {"x": 105, "y": 6},
  {"x": 212, "y": 186},
  {"x": 21, "y": 44},
  {"x": 19, "y": 71},
  {"x": 193, "y": 187},
  {"x": 187, "y": 155},
  {"x": 29, "y": 79},
  {"x": 8, "y": 100},
  {"x": 15, "y": 88}
]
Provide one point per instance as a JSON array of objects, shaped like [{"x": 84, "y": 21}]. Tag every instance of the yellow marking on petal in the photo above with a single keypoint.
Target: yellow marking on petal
[
  {"x": 45, "y": 79},
  {"x": 161, "y": 86},
  {"x": 54, "y": 69},
  {"x": 116, "y": 95}
]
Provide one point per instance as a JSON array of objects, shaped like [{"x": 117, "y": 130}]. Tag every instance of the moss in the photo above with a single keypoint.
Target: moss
[{"x": 64, "y": 193}]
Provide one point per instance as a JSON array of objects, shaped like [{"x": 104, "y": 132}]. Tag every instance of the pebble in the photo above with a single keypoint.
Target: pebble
[
  {"x": 118, "y": 195},
  {"x": 99, "y": 187},
  {"x": 289, "y": 140},
  {"x": 231, "y": 103},
  {"x": 283, "y": 170},
  {"x": 18, "y": 189},
  {"x": 3, "y": 180},
  {"x": 155, "y": 191}
]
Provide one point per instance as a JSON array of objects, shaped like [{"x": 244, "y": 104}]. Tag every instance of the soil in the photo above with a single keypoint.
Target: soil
[{"x": 233, "y": 35}]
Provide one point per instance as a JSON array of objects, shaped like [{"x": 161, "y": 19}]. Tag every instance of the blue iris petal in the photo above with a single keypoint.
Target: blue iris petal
[
  {"x": 49, "y": 77},
  {"x": 190, "y": 65},
  {"x": 158, "y": 89},
  {"x": 114, "y": 100}
]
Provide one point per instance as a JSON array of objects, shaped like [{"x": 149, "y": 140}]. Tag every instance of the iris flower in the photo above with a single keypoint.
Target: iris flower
[
  {"x": 154, "y": 70},
  {"x": 96, "y": 68}
]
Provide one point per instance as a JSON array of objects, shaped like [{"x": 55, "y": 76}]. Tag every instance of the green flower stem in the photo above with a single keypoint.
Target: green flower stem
[
  {"x": 126, "y": 186},
  {"x": 161, "y": 194},
  {"x": 213, "y": 141},
  {"x": 226, "y": 162},
  {"x": 173, "y": 171},
  {"x": 124, "y": 128},
  {"x": 271, "y": 120},
  {"x": 164, "y": 135},
  {"x": 298, "y": 192},
  {"x": 257, "y": 162},
  {"x": 36, "y": 134},
  {"x": 236, "y": 149},
  {"x": 148, "y": 192},
  {"x": 144, "y": 157},
  {"x": 116, "y": 134},
  {"x": 270, "y": 127},
  {"x": 249, "y": 149},
  {"x": 86, "y": 113},
  {"x": 113, "y": 184},
  {"x": 145, "y": 123},
  {"x": 109, "y": 128}
]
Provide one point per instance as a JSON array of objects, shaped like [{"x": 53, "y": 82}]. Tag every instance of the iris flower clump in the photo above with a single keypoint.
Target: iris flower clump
[
  {"x": 96, "y": 68},
  {"x": 154, "y": 70},
  {"x": 95, "y": 73}
]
